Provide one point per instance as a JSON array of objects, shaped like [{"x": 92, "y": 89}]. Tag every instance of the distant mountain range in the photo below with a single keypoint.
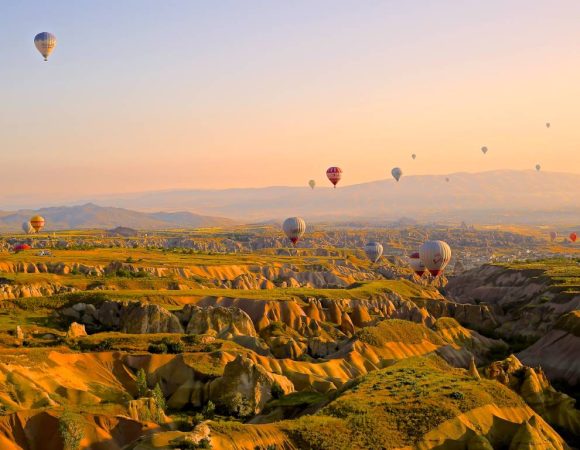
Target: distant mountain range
[
  {"x": 94, "y": 216},
  {"x": 487, "y": 197}
]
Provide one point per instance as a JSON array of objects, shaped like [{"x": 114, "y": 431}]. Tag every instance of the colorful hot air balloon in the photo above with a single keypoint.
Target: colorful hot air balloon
[
  {"x": 416, "y": 263},
  {"x": 312, "y": 183},
  {"x": 294, "y": 228},
  {"x": 553, "y": 236},
  {"x": 374, "y": 251},
  {"x": 45, "y": 43},
  {"x": 413, "y": 156},
  {"x": 538, "y": 167},
  {"x": 396, "y": 173},
  {"x": 37, "y": 222},
  {"x": 573, "y": 236},
  {"x": 484, "y": 149},
  {"x": 20, "y": 248},
  {"x": 435, "y": 255},
  {"x": 27, "y": 227},
  {"x": 334, "y": 174}
]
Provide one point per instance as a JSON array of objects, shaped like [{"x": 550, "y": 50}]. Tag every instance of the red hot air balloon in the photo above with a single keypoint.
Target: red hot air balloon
[
  {"x": 573, "y": 236},
  {"x": 21, "y": 247},
  {"x": 334, "y": 174}
]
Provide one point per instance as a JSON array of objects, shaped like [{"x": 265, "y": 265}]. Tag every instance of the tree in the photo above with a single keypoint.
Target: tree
[
  {"x": 209, "y": 410},
  {"x": 159, "y": 398},
  {"x": 71, "y": 429},
  {"x": 142, "y": 388}
]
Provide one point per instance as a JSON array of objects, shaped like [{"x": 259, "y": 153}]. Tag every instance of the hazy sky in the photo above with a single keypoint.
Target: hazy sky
[{"x": 143, "y": 95}]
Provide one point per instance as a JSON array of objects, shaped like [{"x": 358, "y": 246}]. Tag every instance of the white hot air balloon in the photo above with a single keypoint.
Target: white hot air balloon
[
  {"x": 538, "y": 167},
  {"x": 397, "y": 173},
  {"x": 435, "y": 255},
  {"x": 484, "y": 149},
  {"x": 45, "y": 43},
  {"x": 416, "y": 263},
  {"x": 27, "y": 227},
  {"x": 312, "y": 183},
  {"x": 294, "y": 228},
  {"x": 374, "y": 251},
  {"x": 413, "y": 156}
]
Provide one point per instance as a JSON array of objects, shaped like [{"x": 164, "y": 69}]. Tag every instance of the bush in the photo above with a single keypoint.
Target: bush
[
  {"x": 173, "y": 347},
  {"x": 276, "y": 391},
  {"x": 157, "y": 348},
  {"x": 71, "y": 429},
  {"x": 457, "y": 395},
  {"x": 240, "y": 406},
  {"x": 209, "y": 410}
]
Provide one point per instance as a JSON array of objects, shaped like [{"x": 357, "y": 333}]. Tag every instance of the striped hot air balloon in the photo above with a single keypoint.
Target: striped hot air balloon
[
  {"x": 37, "y": 223},
  {"x": 334, "y": 174},
  {"x": 45, "y": 44},
  {"x": 416, "y": 263},
  {"x": 294, "y": 228},
  {"x": 435, "y": 255},
  {"x": 374, "y": 251}
]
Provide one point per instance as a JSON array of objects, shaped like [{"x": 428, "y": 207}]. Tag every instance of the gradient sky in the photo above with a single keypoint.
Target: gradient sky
[{"x": 144, "y": 95}]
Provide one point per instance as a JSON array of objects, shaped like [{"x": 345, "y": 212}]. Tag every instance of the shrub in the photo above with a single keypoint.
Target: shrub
[
  {"x": 157, "y": 348},
  {"x": 276, "y": 391},
  {"x": 457, "y": 395},
  {"x": 71, "y": 429},
  {"x": 173, "y": 347},
  {"x": 209, "y": 410}
]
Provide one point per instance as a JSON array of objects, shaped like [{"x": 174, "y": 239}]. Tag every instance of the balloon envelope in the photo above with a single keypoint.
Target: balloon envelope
[
  {"x": 374, "y": 251},
  {"x": 21, "y": 247},
  {"x": 37, "y": 223},
  {"x": 553, "y": 236},
  {"x": 547, "y": 124},
  {"x": 484, "y": 150},
  {"x": 416, "y": 263},
  {"x": 538, "y": 167},
  {"x": 396, "y": 172},
  {"x": 312, "y": 183},
  {"x": 334, "y": 174},
  {"x": 435, "y": 255},
  {"x": 573, "y": 236},
  {"x": 45, "y": 43},
  {"x": 27, "y": 227},
  {"x": 413, "y": 156},
  {"x": 294, "y": 228}
]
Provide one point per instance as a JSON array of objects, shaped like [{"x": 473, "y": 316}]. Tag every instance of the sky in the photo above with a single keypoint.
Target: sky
[{"x": 143, "y": 95}]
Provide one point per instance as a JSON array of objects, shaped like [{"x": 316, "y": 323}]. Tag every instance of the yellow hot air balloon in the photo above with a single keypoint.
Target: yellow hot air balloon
[{"x": 37, "y": 222}]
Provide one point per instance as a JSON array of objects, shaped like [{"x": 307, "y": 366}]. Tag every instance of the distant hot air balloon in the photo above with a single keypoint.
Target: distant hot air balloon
[
  {"x": 312, "y": 183},
  {"x": 416, "y": 263},
  {"x": 45, "y": 43},
  {"x": 484, "y": 149},
  {"x": 37, "y": 222},
  {"x": 294, "y": 228},
  {"x": 374, "y": 251},
  {"x": 21, "y": 247},
  {"x": 27, "y": 227},
  {"x": 413, "y": 156},
  {"x": 334, "y": 174},
  {"x": 547, "y": 124},
  {"x": 553, "y": 236},
  {"x": 396, "y": 173},
  {"x": 435, "y": 255},
  {"x": 573, "y": 236},
  {"x": 447, "y": 179},
  {"x": 538, "y": 167}
]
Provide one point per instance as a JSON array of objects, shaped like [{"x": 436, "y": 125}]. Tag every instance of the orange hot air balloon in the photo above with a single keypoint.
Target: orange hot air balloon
[
  {"x": 37, "y": 222},
  {"x": 573, "y": 236},
  {"x": 334, "y": 174}
]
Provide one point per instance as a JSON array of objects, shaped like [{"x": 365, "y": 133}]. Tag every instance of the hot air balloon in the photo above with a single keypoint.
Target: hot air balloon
[
  {"x": 374, "y": 251},
  {"x": 45, "y": 43},
  {"x": 416, "y": 263},
  {"x": 37, "y": 222},
  {"x": 538, "y": 167},
  {"x": 573, "y": 236},
  {"x": 413, "y": 156},
  {"x": 20, "y": 248},
  {"x": 27, "y": 227},
  {"x": 553, "y": 236},
  {"x": 447, "y": 179},
  {"x": 435, "y": 255},
  {"x": 484, "y": 149},
  {"x": 334, "y": 174},
  {"x": 294, "y": 228},
  {"x": 547, "y": 124},
  {"x": 312, "y": 183},
  {"x": 397, "y": 173}
]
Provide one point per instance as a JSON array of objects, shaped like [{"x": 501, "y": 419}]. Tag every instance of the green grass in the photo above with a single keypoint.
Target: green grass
[
  {"x": 561, "y": 274},
  {"x": 395, "y": 330}
]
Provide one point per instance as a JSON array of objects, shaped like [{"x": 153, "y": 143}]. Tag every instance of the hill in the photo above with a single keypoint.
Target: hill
[
  {"x": 486, "y": 197},
  {"x": 94, "y": 216}
]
